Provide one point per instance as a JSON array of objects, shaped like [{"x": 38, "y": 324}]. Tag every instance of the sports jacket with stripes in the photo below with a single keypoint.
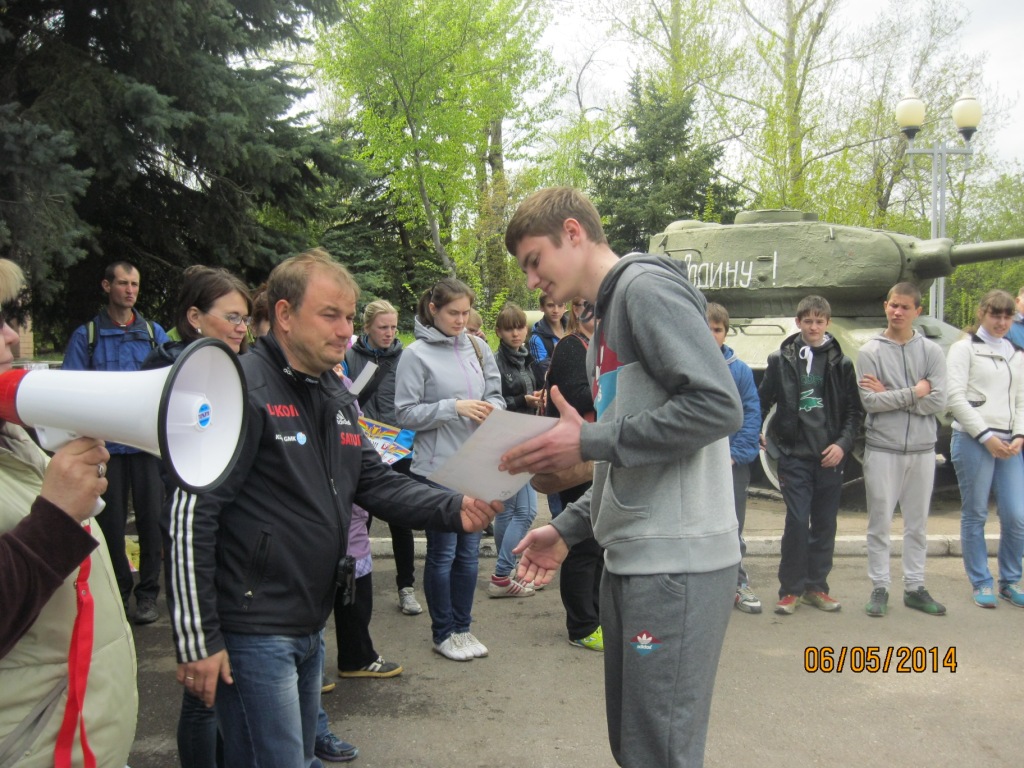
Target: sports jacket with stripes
[{"x": 258, "y": 555}]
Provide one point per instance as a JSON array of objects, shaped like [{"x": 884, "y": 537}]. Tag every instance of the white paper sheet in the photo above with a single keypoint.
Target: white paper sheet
[
  {"x": 362, "y": 379},
  {"x": 473, "y": 470}
]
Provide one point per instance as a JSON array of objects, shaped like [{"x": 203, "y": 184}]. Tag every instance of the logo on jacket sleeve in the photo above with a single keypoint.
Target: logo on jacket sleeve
[
  {"x": 283, "y": 411},
  {"x": 645, "y": 643},
  {"x": 342, "y": 420}
]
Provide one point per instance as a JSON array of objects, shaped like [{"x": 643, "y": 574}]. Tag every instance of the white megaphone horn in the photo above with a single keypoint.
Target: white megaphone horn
[{"x": 192, "y": 414}]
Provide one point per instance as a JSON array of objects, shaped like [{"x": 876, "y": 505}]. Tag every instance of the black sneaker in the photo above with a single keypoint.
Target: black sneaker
[
  {"x": 332, "y": 749},
  {"x": 920, "y": 600},
  {"x": 145, "y": 611},
  {"x": 878, "y": 604}
]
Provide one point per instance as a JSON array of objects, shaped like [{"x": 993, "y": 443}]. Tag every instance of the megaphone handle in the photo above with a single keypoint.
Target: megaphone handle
[
  {"x": 53, "y": 438},
  {"x": 97, "y": 507}
]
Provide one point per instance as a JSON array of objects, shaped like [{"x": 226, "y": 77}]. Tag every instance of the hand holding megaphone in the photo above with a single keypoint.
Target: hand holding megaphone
[
  {"x": 72, "y": 481},
  {"x": 192, "y": 414}
]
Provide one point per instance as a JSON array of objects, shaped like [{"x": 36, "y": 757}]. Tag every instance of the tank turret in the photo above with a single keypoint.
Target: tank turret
[
  {"x": 761, "y": 267},
  {"x": 768, "y": 260}
]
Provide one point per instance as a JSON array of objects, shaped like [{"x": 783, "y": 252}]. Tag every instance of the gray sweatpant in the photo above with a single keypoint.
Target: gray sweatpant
[
  {"x": 662, "y": 638},
  {"x": 907, "y": 479}
]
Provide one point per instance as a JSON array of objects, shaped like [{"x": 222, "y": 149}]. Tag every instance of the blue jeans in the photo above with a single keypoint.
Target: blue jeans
[
  {"x": 977, "y": 474},
  {"x": 268, "y": 717},
  {"x": 449, "y": 581},
  {"x": 199, "y": 744},
  {"x": 511, "y": 525}
]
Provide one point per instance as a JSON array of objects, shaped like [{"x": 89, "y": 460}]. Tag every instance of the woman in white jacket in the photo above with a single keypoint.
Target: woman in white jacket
[
  {"x": 447, "y": 384},
  {"x": 986, "y": 396}
]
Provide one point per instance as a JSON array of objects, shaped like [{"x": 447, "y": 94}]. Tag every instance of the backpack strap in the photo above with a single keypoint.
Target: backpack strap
[{"x": 479, "y": 354}]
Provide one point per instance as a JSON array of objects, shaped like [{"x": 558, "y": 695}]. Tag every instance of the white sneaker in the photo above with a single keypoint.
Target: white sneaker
[
  {"x": 470, "y": 643},
  {"x": 746, "y": 600},
  {"x": 408, "y": 603},
  {"x": 453, "y": 648},
  {"x": 510, "y": 588}
]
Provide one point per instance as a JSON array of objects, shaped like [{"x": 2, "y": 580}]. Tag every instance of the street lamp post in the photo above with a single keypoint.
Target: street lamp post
[{"x": 910, "y": 117}]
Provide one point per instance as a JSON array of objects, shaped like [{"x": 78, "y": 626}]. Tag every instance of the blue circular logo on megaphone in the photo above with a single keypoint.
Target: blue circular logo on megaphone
[{"x": 204, "y": 416}]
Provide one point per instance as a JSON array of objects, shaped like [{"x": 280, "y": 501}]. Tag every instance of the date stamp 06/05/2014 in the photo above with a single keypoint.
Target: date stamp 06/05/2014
[{"x": 905, "y": 659}]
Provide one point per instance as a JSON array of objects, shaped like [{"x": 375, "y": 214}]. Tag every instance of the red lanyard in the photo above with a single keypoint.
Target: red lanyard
[{"x": 79, "y": 659}]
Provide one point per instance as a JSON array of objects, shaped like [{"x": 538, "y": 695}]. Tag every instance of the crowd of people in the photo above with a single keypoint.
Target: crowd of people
[{"x": 254, "y": 568}]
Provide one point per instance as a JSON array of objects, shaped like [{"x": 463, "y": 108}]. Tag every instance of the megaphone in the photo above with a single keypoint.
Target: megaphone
[{"x": 192, "y": 414}]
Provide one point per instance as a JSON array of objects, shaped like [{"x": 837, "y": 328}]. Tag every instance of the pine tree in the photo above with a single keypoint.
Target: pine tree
[{"x": 150, "y": 130}]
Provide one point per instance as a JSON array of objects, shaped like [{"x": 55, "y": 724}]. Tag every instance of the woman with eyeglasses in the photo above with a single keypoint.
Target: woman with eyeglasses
[
  {"x": 214, "y": 304},
  {"x": 446, "y": 386},
  {"x": 580, "y": 575},
  {"x": 986, "y": 397}
]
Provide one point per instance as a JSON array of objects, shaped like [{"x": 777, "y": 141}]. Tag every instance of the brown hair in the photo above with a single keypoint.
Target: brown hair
[
  {"x": 716, "y": 313},
  {"x": 445, "y": 291},
  {"x": 543, "y": 213},
  {"x": 510, "y": 317},
  {"x": 905, "y": 289},
  {"x": 200, "y": 288},
  {"x": 996, "y": 301},
  {"x": 110, "y": 272},
  {"x": 813, "y": 305},
  {"x": 289, "y": 279}
]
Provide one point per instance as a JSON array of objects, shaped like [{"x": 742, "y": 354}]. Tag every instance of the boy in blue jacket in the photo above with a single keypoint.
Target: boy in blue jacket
[{"x": 744, "y": 445}]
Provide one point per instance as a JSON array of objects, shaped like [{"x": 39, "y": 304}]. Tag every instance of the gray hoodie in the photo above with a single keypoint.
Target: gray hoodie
[
  {"x": 434, "y": 372},
  {"x": 898, "y": 421},
  {"x": 662, "y": 498}
]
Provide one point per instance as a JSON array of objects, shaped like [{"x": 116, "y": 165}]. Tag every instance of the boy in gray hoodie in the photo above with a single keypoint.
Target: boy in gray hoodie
[
  {"x": 902, "y": 379},
  {"x": 661, "y": 502}
]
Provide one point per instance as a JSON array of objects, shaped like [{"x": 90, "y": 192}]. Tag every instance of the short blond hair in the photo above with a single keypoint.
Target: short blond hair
[{"x": 12, "y": 280}]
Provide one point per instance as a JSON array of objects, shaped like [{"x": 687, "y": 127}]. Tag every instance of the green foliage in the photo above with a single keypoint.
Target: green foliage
[
  {"x": 655, "y": 174},
  {"x": 160, "y": 140},
  {"x": 433, "y": 84}
]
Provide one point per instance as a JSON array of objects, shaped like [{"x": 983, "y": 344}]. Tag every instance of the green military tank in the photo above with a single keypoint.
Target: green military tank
[{"x": 760, "y": 267}]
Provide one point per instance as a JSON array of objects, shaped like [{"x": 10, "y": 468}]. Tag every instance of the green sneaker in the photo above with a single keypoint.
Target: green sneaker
[
  {"x": 878, "y": 604},
  {"x": 592, "y": 642},
  {"x": 920, "y": 600}
]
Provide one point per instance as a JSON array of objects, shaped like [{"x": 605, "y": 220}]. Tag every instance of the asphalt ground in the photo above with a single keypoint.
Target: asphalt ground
[{"x": 538, "y": 701}]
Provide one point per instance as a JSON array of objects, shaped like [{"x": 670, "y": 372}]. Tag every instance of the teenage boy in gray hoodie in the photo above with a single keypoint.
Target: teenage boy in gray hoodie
[
  {"x": 902, "y": 387},
  {"x": 661, "y": 502}
]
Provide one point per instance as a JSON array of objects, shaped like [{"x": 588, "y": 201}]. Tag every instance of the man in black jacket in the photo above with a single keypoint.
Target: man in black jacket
[{"x": 255, "y": 562}]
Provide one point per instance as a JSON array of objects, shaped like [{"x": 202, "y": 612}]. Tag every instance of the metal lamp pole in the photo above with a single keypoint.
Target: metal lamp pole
[{"x": 910, "y": 116}]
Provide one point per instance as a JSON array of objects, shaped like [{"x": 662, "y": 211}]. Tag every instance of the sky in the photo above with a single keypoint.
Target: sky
[{"x": 995, "y": 29}]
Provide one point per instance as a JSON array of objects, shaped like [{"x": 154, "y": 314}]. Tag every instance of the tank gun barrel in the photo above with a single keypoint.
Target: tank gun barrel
[
  {"x": 938, "y": 258},
  {"x": 971, "y": 253}
]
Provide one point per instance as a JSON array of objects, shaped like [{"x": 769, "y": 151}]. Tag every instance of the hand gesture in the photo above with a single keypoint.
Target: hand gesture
[
  {"x": 832, "y": 456},
  {"x": 558, "y": 448},
  {"x": 474, "y": 410},
  {"x": 76, "y": 477},
  {"x": 477, "y": 514},
  {"x": 540, "y": 552},
  {"x": 200, "y": 678}
]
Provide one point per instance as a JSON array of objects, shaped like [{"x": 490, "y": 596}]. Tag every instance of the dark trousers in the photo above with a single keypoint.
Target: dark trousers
[
  {"x": 138, "y": 474},
  {"x": 402, "y": 545},
  {"x": 580, "y": 579},
  {"x": 812, "y": 495},
  {"x": 199, "y": 743},
  {"x": 352, "y": 624}
]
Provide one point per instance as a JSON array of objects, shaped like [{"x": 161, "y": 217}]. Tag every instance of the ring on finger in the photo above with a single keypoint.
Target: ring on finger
[{"x": 101, "y": 470}]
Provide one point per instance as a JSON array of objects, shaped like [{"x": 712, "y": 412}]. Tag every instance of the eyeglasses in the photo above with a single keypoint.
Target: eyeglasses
[
  {"x": 235, "y": 319},
  {"x": 588, "y": 312}
]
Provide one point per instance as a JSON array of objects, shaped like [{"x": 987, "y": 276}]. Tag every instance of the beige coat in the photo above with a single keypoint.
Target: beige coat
[{"x": 38, "y": 663}]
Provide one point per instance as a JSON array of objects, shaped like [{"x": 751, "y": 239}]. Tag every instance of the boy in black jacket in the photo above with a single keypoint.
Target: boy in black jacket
[{"x": 814, "y": 388}]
